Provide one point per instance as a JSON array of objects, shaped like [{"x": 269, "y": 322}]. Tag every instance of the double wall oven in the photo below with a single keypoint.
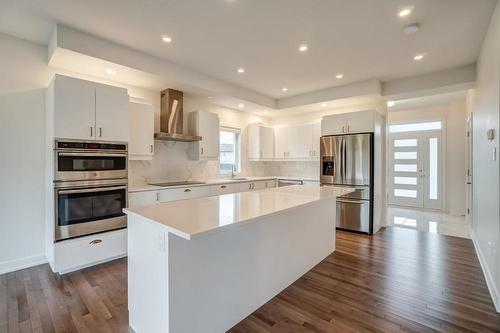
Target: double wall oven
[{"x": 90, "y": 187}]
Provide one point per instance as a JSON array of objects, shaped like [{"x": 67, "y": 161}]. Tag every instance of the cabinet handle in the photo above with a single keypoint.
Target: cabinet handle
[
  {"x": 343, "y": 129},
  {"x": 201, "y": 151},
  {"x": 249, "y": 186},
  {"x": 100, "y": 132},
  {"x": 151, "y": 148},
  {"x": 223, "y": 186},
  {"x": 95, "y": 241},
  {"x": 91, "y": 131},
  {"x": 157, "y": 196},
  {"x": 187, "y": 190},
  {"x": 347, "y": 128}
]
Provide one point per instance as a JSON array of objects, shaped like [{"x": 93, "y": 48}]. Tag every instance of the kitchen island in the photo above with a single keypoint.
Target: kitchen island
[{"x": 202, "y": 265}]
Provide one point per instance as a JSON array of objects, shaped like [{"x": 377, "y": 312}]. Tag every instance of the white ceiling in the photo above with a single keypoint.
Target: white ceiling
[{"x": 361, "y": 38}]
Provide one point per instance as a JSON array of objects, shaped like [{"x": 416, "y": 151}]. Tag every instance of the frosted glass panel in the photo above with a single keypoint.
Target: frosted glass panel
[
  {"x": 433, "y": 168},
  {"x": 405, "y": 167},
  {"x": 435, "y": 125},
  {"x": 405, "y": 193},
  {"x": 405, "y": 143},
  {"x": 405, "y": 180},
  {"x": 405, "y": 155}
]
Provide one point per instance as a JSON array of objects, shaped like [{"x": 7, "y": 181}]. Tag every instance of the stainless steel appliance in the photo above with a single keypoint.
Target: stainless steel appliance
[
  {"x": 289, "y": 182},
  {"x": 77, "y": 160},
  {"x": 90, "y": 187},
  {"x": 347, "y": 160}
]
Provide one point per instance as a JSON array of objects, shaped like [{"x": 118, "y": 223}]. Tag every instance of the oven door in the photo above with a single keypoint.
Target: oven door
[
  {"x": 84, "y": 211},
  {"x": 90, "y": 165}
]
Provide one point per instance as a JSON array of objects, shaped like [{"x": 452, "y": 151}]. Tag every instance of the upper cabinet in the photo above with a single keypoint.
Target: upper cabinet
[
  {"x": 297, "y": 142},
  {"x": 141, "y": 142},
  {"x": 85, "y": 110},
  {"x": 260, "y": 142},
  {"x": 206, "y": 125},
  {"x": 348, "y": 123}
]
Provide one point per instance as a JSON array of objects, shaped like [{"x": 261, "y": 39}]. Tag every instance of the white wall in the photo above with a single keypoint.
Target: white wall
[
  {"x": 486, "y": 182},
  {"x": 455, "y": 117}
]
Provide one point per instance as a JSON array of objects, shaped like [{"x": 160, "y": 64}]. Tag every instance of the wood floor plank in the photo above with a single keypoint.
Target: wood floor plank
[{"x": 398, "y": 280}]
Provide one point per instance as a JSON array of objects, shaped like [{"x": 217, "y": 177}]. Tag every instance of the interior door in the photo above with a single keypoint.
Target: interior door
[
  {"x": 415, "y": 169},
  {"x": 469, "y": 171}
]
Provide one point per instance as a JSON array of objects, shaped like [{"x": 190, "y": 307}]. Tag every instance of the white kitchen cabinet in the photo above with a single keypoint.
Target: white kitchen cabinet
[
  {"x": 74, "y": 254},
  {"x": 85, "y": 110},
  {"x": 141, "y": 141},
  {"x": 316, "y": 139},
  {"x": 348, "y": 123},
  {"x": 261, "y": 142},
  {"x": 206, "y": 125},
  {"x": 111, "y": 113},
  {"x": 280, "y": 142},
  {"x": 180, "y": 193},
  {"x": 144, "y": 198},
  {"x": 74, "y": 108},
  {"x": 298, "y": 142},
  {"x": 228, "y": 188}
]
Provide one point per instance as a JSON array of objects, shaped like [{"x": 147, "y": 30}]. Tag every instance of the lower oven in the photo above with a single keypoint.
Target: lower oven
[{"x": 85, "y": 208}]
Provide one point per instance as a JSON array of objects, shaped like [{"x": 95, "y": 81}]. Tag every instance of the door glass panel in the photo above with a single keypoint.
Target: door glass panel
[
  {"x": 405, "y": 180},
  {"x": 405, "y": 193},
  {"x": 405, "y": 155},
  {"x": 405, "y": 167},
  {"x": 433, "y": 168},
  {"x": 405, "y": 143}
]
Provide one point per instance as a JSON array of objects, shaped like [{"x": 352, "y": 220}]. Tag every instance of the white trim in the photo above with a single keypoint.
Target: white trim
[
  {"x": 490, "y": 282},
  {"x": 17, "y": 264},
  {"x": 94, "y": 263}
]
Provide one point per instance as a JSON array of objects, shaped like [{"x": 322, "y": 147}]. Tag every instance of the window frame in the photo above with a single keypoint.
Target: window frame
[{"x": 237, "y": 133}]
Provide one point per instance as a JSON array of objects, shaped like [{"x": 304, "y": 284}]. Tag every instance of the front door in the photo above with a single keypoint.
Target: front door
[{"x": 415, "y": 169}]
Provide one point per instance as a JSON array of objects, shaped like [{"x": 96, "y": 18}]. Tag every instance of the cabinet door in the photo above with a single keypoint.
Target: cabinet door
[
  {"x": 74, "y": 108},
  {"x": 259, "y": 185},
  {"x": 112, "y": 116},
  {"x": 294, "y": 146},
  {"x": 280, "y": 142},
  {"x": 184, "y": 193},
  {"x": 137, "y": 199},
  {"x": 334, "y": 124},
  {"x": 305, "y": 141},
  {"x": 254, "y": 143},
  {"x": 141, "y": 141},
  {"x": 360, "y": 122},
  {"x": 266, "y": 142},
  {"x": 209, "y": 131},
  {"x": 316, "y": 137}
]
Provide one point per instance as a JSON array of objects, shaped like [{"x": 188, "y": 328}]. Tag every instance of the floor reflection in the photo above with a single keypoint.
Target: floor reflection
[{"x": 428, "y": 221}]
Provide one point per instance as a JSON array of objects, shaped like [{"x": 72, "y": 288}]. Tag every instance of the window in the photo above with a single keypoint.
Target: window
[
  {"x": 229, "y": 150},
  {"x": 435, "y": 125}
]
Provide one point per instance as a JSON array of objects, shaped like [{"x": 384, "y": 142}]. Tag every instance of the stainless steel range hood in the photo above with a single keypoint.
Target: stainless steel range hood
[{"x": 171, "y": 118}]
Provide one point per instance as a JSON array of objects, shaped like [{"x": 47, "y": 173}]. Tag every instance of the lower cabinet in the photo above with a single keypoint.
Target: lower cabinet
[
  {"x": 74, "y": 254},
  {"x": 144, "y": 198}
]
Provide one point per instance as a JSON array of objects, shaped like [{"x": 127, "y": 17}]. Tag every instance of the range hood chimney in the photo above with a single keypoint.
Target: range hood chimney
[{"x": 171, "y": 117}]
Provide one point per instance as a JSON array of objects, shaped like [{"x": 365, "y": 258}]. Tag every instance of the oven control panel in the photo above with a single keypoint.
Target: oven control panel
[{"x": 90, "y": 145}]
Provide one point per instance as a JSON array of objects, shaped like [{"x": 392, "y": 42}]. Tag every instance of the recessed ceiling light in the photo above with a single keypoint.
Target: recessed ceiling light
[
  {"x": 411, "y": 28},
  {"x": 303, "y": 48},
  {"x": 166, "y": 39},
  {"x": 339, "y": 76},
  {"x": 391, "y": 104},
  {"x": 284, "y": 89},
  {"x": 419, "y": 57},
  {"x": 324, "y": 104},
  {"x": 266, "y": 112},
  {"x": 405, "y": 12},
  {"x": 110, "y": 71},
  {"x": 241, "y": 105},
  {"x": 209, "y": 97},
  {"x": 241, "y": 70}
]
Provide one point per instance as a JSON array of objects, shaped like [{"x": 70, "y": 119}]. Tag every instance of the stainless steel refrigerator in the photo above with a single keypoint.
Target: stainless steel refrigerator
[{"x": 347, "y": 160}]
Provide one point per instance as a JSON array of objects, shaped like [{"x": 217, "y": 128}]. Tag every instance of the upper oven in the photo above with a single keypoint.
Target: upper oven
[{"x": 76, "y": 160}]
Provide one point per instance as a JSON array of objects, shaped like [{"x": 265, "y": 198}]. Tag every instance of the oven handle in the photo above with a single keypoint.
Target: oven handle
[
  {"x": 97, "y": 189},
  {"x": 94, "y": 154}
]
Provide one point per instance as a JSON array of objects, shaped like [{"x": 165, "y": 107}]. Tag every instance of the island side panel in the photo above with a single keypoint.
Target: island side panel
[
  {"x": 147, "y": 276},
  {"x": 217, "y": 279}
]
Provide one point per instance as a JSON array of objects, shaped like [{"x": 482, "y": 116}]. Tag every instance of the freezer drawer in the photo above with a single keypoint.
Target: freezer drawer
[{"x": 353, "y": 215}]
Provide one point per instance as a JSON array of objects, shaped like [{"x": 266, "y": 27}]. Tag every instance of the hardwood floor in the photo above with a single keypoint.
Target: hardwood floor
[{"x": 399, "y": 280}]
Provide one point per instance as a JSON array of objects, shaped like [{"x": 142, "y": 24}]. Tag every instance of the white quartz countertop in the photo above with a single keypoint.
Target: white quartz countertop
[
  {"x": 205, "y": 182},
  {"x": 194, "y": 217}
]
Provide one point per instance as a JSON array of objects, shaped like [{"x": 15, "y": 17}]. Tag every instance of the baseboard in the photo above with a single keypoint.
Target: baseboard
[
  {"x": 15, "y": 265},
  {"x": 490, "y": 282}
]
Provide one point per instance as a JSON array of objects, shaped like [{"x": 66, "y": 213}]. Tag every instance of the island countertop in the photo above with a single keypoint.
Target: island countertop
[{"x": 194, "y": 217}]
